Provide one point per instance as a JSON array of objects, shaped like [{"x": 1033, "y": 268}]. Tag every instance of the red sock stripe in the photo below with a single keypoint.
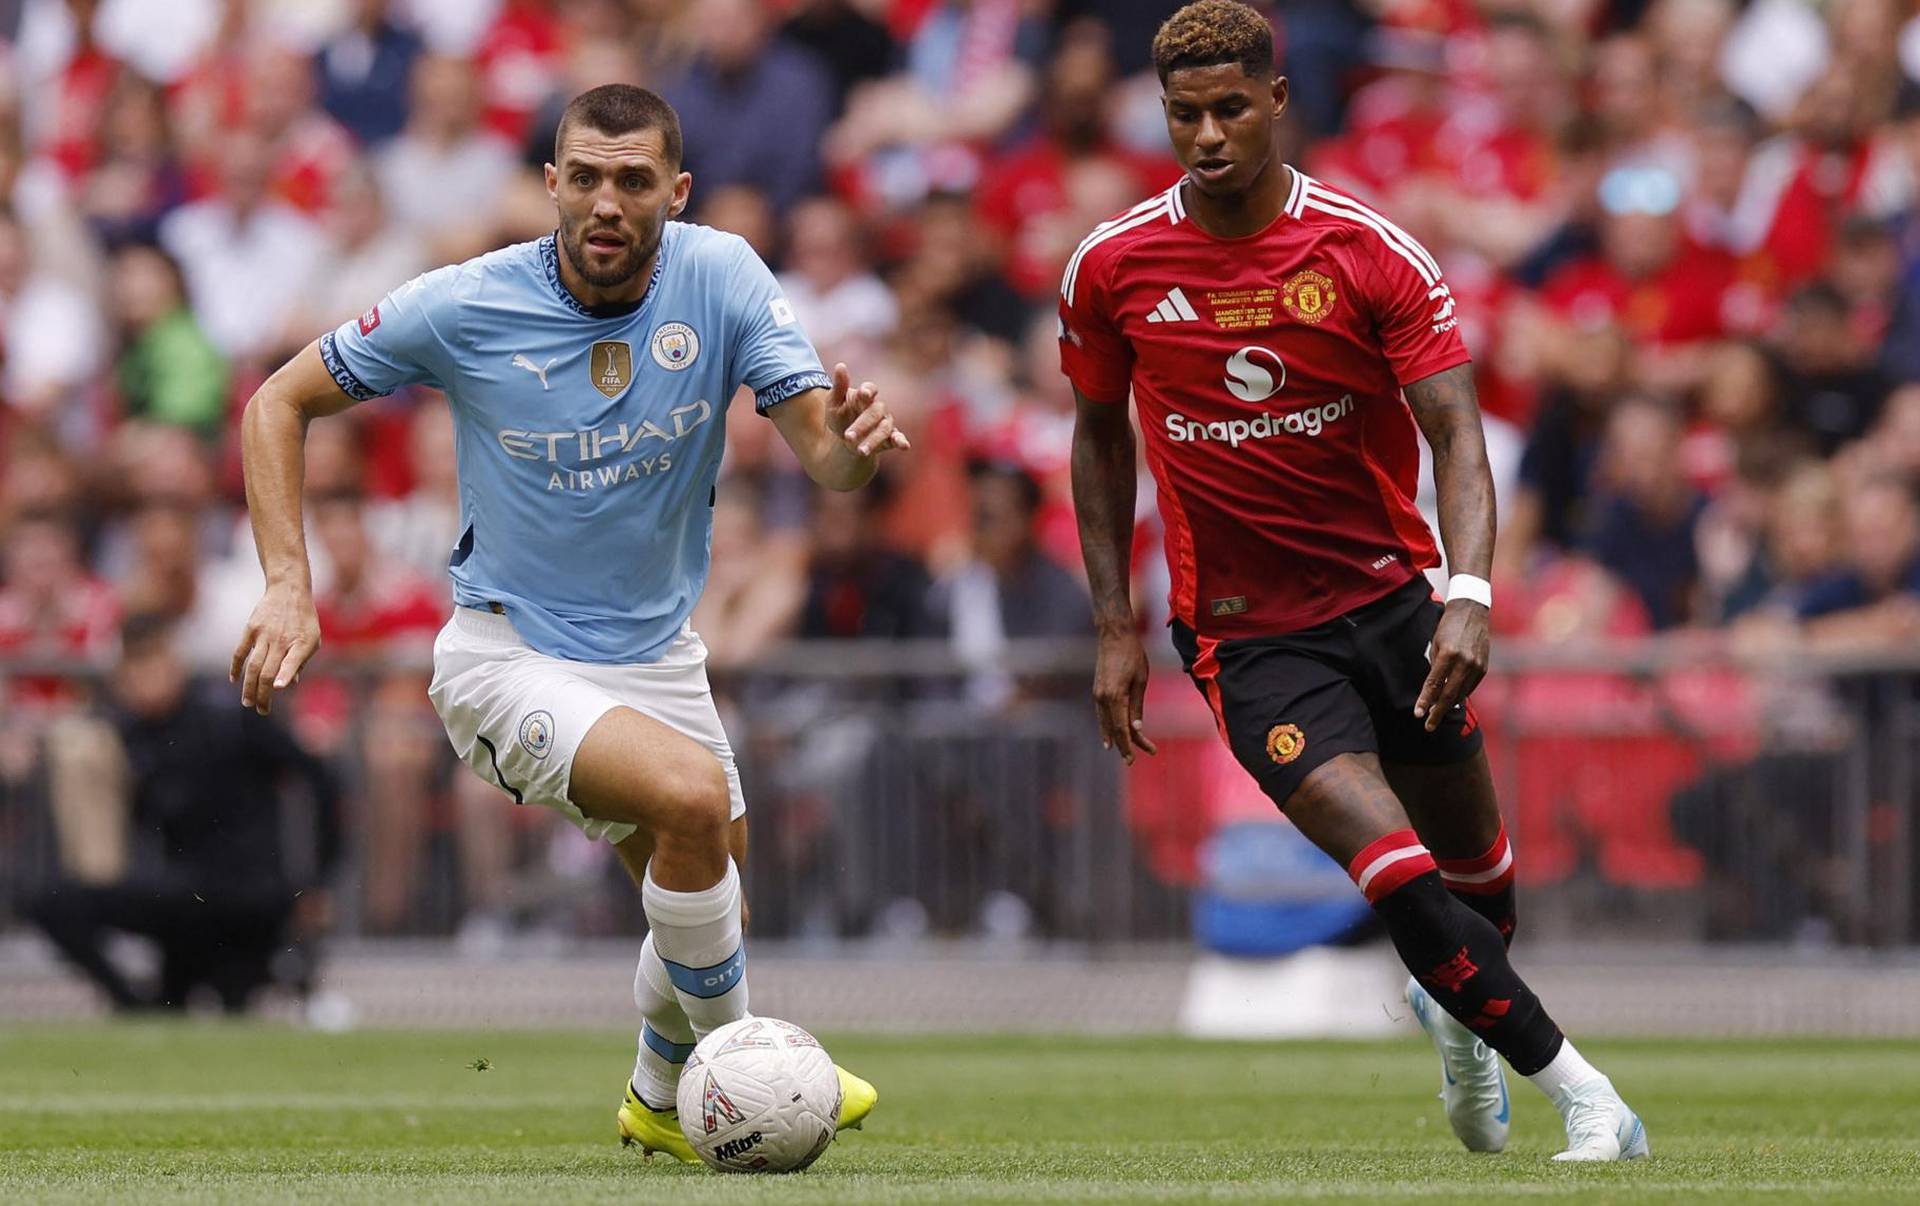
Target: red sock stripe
[
  {"x": 1388, "y": 863},
  {"x": 1485, "y": 874}
]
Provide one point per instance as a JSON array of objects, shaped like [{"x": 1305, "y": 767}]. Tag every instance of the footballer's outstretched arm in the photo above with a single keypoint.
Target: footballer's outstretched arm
[
  {"x": 284, "y": 630},
  {"x": 839, "y": 434},
  {"x": 1103, "y": 496},
  {"x": 1448, "y": 411}
]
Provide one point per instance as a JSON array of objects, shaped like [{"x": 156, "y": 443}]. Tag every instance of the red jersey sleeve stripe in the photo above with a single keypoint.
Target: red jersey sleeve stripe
[
  {"x": 1101, "y": 230},
  {"x": 1150, "y": 210},
  {"x": 1391, "y": 235},
  {"x": 1373, "y": 216}
]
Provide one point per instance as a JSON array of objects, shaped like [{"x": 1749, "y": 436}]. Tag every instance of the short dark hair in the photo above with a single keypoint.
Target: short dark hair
[
  {"x": 621, "y": 109},
  {"x": 1210, "y": 32}
]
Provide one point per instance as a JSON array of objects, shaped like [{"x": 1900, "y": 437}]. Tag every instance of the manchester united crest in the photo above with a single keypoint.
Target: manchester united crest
[
  {"x": 1308, "y": 296},
  {"x": 1285, "y": 742}
]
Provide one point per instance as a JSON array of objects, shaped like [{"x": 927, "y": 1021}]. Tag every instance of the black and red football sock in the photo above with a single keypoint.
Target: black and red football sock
[
  {"x": 1484, "y": 883},
  {"x": 1454, "y": 952}
]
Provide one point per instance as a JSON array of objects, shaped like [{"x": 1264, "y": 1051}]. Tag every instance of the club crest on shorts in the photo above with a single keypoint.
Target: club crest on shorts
[
  {"x": 1308, "y": 296},
  {"x": 1285, "y": 742},
  {"x": 611, "y": 365},
  {"x": 536, "y": 733},
  {"x": 675, "y": 346}
]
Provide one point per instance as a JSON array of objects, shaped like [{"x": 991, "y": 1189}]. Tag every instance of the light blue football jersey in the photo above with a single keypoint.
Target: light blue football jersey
[{"x": 588, "y": 444}]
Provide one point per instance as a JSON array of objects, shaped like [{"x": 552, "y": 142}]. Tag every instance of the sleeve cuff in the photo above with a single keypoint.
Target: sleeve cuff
[
  {"x": 344, "y": 377},
  {"x": 766, "y": 399}
]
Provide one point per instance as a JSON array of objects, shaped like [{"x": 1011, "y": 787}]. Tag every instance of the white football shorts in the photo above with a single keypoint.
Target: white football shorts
[{"x": 516, "y": 716}]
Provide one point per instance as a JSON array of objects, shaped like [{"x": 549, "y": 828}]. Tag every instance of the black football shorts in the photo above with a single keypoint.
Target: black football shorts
[{"x": 1287, "y": 704}]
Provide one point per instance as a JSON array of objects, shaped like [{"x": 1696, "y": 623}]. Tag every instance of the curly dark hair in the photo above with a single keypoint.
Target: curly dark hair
[{"x": 1210, "y": 32}]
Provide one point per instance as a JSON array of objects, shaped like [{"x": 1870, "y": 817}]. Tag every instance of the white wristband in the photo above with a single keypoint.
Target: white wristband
[{"x": 1466, "y": 586}]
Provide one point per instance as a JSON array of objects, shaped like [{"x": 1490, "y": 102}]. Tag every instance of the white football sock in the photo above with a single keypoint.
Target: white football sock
[
  {"x": 698, "y": 937},
  {"x": 1564, "y": 1071},
  {"x": 666, "y": 1038}
]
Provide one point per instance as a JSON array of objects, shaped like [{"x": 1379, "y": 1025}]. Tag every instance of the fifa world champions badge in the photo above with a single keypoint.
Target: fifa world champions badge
[{"x": 611, "y": 364}]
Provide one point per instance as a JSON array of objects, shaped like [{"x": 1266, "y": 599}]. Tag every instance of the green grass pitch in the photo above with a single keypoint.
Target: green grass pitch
[{"x": 253, "y": 1113}]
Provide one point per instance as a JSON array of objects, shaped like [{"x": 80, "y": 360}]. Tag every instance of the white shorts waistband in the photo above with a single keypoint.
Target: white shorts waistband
[
  {"x": 684, "y": 650},
  {"x": 486, "y": 625}
]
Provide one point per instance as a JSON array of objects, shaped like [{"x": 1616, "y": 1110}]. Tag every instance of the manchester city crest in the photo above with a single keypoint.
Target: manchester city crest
[
  {"x": 675, "y": 346},
  {"x": 536, "y": 733}
]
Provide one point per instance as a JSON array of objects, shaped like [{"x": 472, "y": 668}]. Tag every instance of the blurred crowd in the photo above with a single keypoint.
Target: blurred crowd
[{"x": 1681, "y": 234}]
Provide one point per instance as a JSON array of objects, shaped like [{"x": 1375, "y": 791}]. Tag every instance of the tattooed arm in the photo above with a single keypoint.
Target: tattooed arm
[
  {"x": 1448, "y": 412},
  {"x": 1103, "y": 495}
]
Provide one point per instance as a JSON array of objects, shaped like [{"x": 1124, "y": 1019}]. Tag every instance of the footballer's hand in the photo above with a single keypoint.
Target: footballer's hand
[
  {"x": 1120, "y": 693},
  {"x": 282, "y": 633},
  {"x": 861, "y": 417},
  {"x": 1457, "y": 662}
]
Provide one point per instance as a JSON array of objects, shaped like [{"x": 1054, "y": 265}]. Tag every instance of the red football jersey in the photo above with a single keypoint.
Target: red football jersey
[{"x": 1267, "y": 374}]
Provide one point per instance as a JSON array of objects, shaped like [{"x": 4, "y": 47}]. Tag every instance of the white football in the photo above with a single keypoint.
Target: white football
[{"x": 759, "y": 1095}]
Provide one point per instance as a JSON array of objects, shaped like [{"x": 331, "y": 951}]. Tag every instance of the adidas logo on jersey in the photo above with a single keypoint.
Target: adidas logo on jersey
[{"x": 1174, "y": 307}]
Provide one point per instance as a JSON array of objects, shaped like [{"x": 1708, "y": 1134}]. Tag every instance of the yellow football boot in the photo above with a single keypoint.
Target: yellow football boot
[
  {"x": 659, "y": 1130},
  {"x": 856, "y": 1100}
]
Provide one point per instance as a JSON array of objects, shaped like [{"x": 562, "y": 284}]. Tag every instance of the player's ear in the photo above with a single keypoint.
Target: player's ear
[
  {"x": 553, "y": 182},
  {"x": 682, "y": 190},
  {"x": 1279, "y": 95}
]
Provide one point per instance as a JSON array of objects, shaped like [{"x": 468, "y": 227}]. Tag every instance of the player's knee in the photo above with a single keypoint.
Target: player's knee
[{"x": 694, "y": 804}]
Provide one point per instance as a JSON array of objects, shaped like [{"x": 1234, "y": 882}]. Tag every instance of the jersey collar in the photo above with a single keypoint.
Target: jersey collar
[{"x": 550, "y": 260}]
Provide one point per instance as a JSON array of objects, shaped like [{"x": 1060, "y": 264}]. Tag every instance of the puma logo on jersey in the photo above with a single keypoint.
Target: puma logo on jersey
[
  {"x": 1174, "y": 307},
  {"x": 539, "y": 370}
]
